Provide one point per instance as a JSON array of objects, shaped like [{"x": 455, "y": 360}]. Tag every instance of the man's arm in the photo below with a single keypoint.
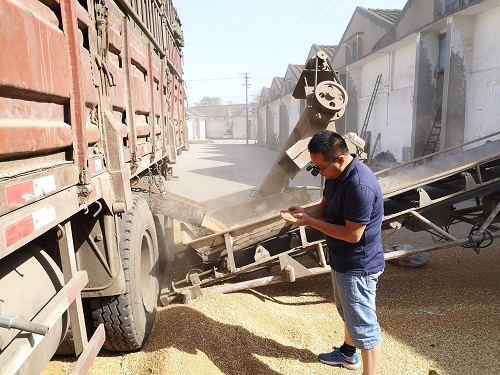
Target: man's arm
[
  {"x": 350, "y": 232},
  {"x": 313, "y": 217}
]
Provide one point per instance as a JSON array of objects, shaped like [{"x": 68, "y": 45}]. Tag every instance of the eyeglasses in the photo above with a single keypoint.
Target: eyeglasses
[{"x": 315, "y": 170}]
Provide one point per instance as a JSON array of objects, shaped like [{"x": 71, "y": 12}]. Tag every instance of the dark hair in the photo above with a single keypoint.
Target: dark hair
[{"x": 328, "y": 143}]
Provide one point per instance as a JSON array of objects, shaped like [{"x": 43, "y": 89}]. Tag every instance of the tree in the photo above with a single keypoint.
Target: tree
[{"x": 208, "y": 101}]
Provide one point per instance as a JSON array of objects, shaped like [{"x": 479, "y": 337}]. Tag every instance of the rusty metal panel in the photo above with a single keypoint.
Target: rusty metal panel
[
  {"x": 29, "y": 221},
  {"x": 33, "y": 81},
  {"x": 115, "y": 31},
  {"x": 156, "y": 72},
  {"x": 118, "y": 98},
  {"x": 115, "y": 57},
  {"x": 36, "y": 49},
  {"x": 25, "y": 224},
  {"x": 140, "y": 74},
  {"x": 25, "y": 189},
  {"x": 89, "y": 90},
  {"x": 93, "y": 133},
  {"x": 27, "y": 137}
]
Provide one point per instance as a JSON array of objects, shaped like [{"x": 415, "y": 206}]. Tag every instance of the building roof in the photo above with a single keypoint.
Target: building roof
[
  {"x": 315, "y": 48},
  {"x": 295, "y": 69},
  {"x": 217, "y": 110},
  {"x": 412, "y": 19},
  {"x": 385, "y": 19},
  {"x": 278, "y": 82},
  {"x": 276, "y": 87},
  {"x": 264, "y": 95},
  {"x": 193, "y": 112},
  {"x": 329, "y": 49},
  {"x": 388, "y": 15}
]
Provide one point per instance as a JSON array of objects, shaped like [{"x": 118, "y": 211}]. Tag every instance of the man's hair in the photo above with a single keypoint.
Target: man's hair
[{"x": 328, "y": 143}]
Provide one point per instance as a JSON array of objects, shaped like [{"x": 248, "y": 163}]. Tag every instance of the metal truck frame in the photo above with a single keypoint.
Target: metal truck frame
[{"x": 91, "y": 112}]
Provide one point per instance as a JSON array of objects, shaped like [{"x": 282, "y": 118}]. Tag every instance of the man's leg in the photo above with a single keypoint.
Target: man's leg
[
  {"x": 347, "y": 337},
  {"x": 370, "y": 360}
]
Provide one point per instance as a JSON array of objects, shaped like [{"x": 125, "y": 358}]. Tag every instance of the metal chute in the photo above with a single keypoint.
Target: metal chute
[{"x": 326, "y": 100}]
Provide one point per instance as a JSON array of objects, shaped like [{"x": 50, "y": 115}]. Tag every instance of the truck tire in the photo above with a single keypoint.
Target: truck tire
[
  {"x": 67, "y": 346},
  {"x": 128, "y": 318}
]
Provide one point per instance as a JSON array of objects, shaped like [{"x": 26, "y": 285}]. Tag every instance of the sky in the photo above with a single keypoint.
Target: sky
[{"x": 226, "y": 41}]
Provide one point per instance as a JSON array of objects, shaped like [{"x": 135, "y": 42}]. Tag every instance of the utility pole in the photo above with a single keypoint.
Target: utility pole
[{"x": 246, "y": 84}]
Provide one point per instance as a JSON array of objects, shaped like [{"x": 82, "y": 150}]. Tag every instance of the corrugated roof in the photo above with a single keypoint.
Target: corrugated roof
[
  {"x": 296, "y": 69},
  {"x": 278, "y": 81},
  {"x": 388, "y": 15},
  {"x": 329, "y": 49},
  {"x": 264, "y": 95},
  {"x": 315, "y": 48},
  {"x": 193, "y": 112}
]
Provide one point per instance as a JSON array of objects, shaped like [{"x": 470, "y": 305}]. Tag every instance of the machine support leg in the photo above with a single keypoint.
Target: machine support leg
[
  {"x": 321, "y": 254},
  {"x": 489, "y": 219},
  {"x": 229, "y": 247},
  {"x": 445, "y": 234}
]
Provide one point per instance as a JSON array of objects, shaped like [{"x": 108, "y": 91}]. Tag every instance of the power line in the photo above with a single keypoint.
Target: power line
[
  {"x": 295, "y": 31},
  {"x": 297, "y": 36},
  {"x": 211, "y": 79},
  {"x": 285, "y": 47},
  {"x": 220, "y": 79},
  {"x": 263, "y": 55}
]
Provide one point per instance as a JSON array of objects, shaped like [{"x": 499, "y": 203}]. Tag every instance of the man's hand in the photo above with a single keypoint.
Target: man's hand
[
  {"x": 295, "y": 215},
  {"x": 287, "y": 215}
]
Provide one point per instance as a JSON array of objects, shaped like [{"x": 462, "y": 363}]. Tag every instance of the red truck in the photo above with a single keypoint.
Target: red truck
[{"x": 91, "y": 106}]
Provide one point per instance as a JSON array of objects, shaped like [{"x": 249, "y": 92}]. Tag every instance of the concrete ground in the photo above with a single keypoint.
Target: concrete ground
[{"x": 227, "y": 171}]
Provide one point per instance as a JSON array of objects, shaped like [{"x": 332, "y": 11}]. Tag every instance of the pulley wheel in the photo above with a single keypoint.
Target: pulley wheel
[{"x": 331, "y": 96}]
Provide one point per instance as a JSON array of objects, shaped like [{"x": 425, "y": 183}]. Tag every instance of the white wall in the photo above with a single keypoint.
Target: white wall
[
  {"x": 239, "y": 127},
  {"x": 275, "y": 110},
  {"x": 196, "y": 128},
  {"x": 483, "y": 82},
  {"x": 392, "y": 110},
  {"x": 401, "y": 101},
  {"x": 217, "y": 127},
  {"x": 293, "y": 107},
  {"x": 378, "y": 122}
]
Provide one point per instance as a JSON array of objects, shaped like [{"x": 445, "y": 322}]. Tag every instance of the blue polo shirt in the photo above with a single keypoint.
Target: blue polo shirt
[{"x": 356, "y": 196}]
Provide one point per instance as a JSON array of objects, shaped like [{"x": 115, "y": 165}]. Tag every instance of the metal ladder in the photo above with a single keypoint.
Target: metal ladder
[
  {"x": 432, "y": 143},
  {"x": 370, "y": 107}
]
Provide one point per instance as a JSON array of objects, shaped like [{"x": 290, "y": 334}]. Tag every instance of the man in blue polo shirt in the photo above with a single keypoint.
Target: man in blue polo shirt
[{"x": 350, "y": 216}]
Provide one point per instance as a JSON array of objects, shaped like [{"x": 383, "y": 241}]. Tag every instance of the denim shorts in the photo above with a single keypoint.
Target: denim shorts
[{"x": 355, "y": 301}]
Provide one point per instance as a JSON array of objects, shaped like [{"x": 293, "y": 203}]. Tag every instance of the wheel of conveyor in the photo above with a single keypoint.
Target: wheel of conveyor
[{"x": 332, "y": 97}]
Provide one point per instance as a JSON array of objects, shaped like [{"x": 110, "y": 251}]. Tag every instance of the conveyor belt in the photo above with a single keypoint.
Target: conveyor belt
[
  {"x": 449, "y": 179},
  {"x": 402, "y": 180},
  {"x": 415, "y": 196}
]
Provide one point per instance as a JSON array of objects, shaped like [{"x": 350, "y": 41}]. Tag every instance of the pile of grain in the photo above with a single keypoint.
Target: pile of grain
[{"x": 442, "y": 317}]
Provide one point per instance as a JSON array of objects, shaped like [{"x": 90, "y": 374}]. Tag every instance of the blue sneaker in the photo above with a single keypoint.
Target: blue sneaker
[{"x": 337, "y": 358}]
